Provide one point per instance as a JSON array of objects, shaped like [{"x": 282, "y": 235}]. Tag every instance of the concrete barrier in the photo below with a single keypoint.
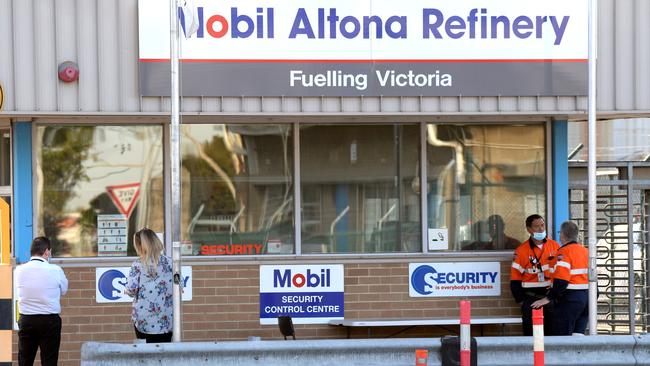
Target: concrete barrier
[
  {"x": 338, "y": 352},
  {"x": 492, "y": 351}
]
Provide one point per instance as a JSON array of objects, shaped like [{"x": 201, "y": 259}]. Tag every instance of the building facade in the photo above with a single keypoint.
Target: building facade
[{"x": 371, "y": 178}]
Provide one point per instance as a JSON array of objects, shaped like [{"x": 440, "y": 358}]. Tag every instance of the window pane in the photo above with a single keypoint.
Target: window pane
[
  {"x": 97, "y": 186},
  {"x": 359, "y": 191},
  {"x": 238, "y": 189},
  {"x": 618, "y": 140},
  {"x": 483, "y": 181},
  {"x": 5, "y": 158}
]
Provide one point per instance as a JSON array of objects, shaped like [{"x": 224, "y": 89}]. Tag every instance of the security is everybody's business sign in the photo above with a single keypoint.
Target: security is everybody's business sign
[
  {"x": 110, "y": 284},
  {"x": 454, "y": 279},
  {"x": 368, "y": 47},
  {"x": 310, "y": 294}
]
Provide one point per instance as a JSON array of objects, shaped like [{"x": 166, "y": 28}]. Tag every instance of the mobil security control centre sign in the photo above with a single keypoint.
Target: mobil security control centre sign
[
  {"x": 310, "y": 294},
  {"x": 368, "y": 48},
  {"x": 454, "y": 279}
]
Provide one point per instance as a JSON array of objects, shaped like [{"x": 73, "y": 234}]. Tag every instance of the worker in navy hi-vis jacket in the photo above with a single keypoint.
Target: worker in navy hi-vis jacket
[{"x": 570, "y": 290}]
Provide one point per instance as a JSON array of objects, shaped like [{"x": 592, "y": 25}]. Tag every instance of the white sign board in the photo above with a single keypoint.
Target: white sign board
[
  {"x": 112, "y": 231},
  {"x": 454, "y": 279},
  {"x": 310, "y": 294},
  {"x": 110, "y": 284},
  {"x": 438, "y": 239},
  {"x": 372, "y": 29}
]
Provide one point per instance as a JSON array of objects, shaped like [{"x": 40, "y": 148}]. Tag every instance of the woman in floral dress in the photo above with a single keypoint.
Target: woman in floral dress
[{"x": 150, "y": 285}]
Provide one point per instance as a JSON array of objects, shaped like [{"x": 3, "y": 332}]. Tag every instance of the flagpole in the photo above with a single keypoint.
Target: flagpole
[
  {"x": 591, "y": 169},
  {"x": 175, "y": 171}
]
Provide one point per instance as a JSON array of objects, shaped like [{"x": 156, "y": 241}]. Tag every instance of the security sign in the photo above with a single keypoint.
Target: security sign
[
  {"x": 310, "y": 294},
  {"x": 454, "y": 279},
  {"x": 110, "y": 284}
]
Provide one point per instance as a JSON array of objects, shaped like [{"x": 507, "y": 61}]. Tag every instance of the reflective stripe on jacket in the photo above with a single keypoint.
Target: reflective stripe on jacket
[
  {"x": 573, "y": 266},
  {"x": 529, "y": 261}
]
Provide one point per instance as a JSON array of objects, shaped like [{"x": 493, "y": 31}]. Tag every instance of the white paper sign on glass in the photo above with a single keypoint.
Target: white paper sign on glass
[{"x": 438, "y": 239}]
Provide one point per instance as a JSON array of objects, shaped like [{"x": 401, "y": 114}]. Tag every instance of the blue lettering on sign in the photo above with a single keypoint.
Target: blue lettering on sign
[
  {"x": 478, "y": 23},
  {"x": 425, "y": 277}
]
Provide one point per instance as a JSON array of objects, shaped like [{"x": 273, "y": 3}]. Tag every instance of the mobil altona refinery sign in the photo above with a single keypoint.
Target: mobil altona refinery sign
[{"x": 369, "y": 48}]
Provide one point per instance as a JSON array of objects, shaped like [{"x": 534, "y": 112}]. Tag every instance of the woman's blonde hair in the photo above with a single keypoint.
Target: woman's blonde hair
[{"x": 149, "y": 249}]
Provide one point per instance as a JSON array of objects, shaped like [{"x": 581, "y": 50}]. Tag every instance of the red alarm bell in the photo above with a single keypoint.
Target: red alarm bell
[{"x": 68, "y": 72}]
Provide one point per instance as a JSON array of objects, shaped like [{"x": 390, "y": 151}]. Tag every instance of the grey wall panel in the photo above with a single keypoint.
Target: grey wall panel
[
  {"x": 605, "y": 92},
  {"x": 212, "y": 105},
  {"x": 108, "y": 48},
  {"x": 101, "y": 36},
  {"x": 642, "y": 56},
  {"x": 45, "y": 66},
  {"x": 23, "y": 31},
  {"x": 150, "y": 104},
  {"x": 87, "y": 55},
  {"x": 128, "y": 56},
  {"x": 252, "y": 105},
  {"x": 191, "y": 104},
  {"x": 7, "y": 54},
  {"x": 351, "y": 105},
  {"x": 232, "y": 105},
  {"x": 469, "y": 104},
  {"x": 489, "y": 105},
  {"x": 66, "y": 50},
  {"x": 624, "y": 54}
]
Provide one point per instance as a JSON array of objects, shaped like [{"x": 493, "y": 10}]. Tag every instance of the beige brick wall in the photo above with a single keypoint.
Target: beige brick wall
[{"x": 225, "y": 306}]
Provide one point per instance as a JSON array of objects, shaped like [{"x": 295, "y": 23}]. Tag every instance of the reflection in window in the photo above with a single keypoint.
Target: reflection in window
[
  {"x": 483, "y": 181},
  {"x": 97, "y": 185},
  {"x": 237, "y": 189},
  {"x": 359, "y": 188},
  {"x": 618, "y": 140}
]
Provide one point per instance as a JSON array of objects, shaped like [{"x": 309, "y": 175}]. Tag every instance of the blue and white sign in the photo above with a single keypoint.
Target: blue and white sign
[
  {"x": 310, "y": 294},
  {"x": 454, "y": 279},
  {"x": 110, "y": 284}
]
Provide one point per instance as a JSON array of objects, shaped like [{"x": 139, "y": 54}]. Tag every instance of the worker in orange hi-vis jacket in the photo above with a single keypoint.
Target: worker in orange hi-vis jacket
[
  {"x": 531, "y": 272},
  {"x": 570, "y": 291}
]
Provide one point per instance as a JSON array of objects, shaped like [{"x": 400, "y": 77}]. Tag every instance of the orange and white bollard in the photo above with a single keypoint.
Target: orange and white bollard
[
  {"x": 538, "y": 336},
  {"x": 465, "y": 333},
  {"x": 421, "y": 357}
]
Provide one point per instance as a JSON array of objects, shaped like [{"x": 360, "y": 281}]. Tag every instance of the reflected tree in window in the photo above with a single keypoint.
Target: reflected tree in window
[{"x": 63, "y": 150}]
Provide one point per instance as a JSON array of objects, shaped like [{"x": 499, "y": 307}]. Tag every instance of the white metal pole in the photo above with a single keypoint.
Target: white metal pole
[
  {"x": 175, "y": 170},
  {"x": 591, "y": 168}
]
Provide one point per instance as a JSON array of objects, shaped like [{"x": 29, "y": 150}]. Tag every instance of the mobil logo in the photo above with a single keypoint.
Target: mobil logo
[
  {"x": 288, "y": 278},
  {"x": 111, "y": 284},
  {"x": 231, "y": 23}
]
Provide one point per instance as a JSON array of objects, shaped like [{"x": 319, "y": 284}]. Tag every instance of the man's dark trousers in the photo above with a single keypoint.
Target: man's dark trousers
[
  {"x": 572, "y": 313},
  {"x": 527, "y": 313},
  {"x": 36, "y": 331}
]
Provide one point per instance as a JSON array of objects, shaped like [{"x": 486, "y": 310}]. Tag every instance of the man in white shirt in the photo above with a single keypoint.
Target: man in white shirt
[{"x": 40, "y": 286}]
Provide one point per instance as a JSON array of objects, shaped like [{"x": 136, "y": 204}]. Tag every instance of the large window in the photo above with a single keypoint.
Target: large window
[
  {"x": 357, "y": 188},
  {"x": 483, "y": 181},
  {"x": 360, "y": 187},
  {"x": 97, "y": 185},
  {"x": 238, "y": 189}
]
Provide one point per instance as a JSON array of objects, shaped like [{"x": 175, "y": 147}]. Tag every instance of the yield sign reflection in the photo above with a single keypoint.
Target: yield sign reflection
[{"x": 124, "y": 196}]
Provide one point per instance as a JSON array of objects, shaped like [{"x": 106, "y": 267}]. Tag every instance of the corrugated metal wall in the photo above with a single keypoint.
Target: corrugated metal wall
[{"x": 101, "y": 36}]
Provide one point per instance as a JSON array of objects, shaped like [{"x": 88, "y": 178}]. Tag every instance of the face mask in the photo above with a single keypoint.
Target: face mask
[{"x": 539, "y": 236}]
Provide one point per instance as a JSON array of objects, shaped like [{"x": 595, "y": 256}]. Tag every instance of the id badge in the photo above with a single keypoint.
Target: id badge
[{"x": 540, "y": 276}]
